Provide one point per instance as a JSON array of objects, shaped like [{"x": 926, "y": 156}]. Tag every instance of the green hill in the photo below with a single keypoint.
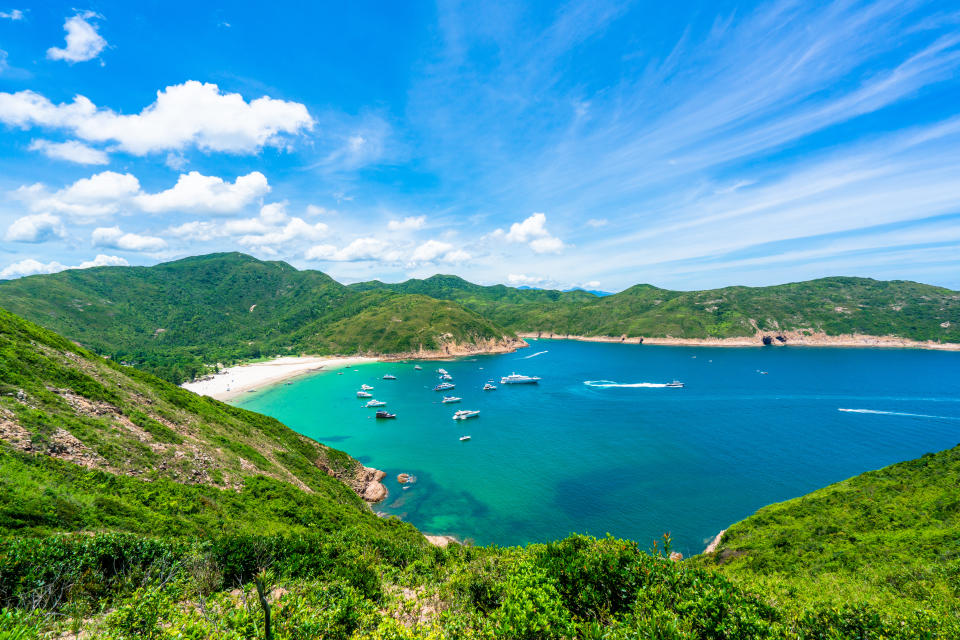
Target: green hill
[
  {"x": 130, "y": 508},
  {"x": 833, "y": 306},
  {"x": 176, "y": 318}
]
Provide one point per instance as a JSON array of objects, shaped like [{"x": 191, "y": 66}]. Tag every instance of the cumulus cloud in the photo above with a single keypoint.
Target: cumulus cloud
[
  {"x": 184, "y": 115},
  {"x": 533, "y": 231},
  {"x": 35, "y": 228},
  {"x": 83, "y": 41},
  {"x": 30, "y": 266},
  {"x": 104, "y": 194},
  {"x": 15, "y": 14},
  {"x": 521, "y": 279},
  {"x": 201, "y": 231},
  {"x": 195, "y": 192},
  {"x": 437, "y": 251},
  {"x": 409, "y": 223},
  {"x": 314, "y": 210},
  {"x": 71, "y": 151},
  {"x": 115, "y": 238},
  {"x": 358, "y": 250},
  {"x": 272, "y": 227}
]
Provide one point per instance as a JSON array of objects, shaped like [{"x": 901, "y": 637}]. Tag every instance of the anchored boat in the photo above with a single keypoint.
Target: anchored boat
[
  {"x": 383, "y": 415},
  {"x": 443, "y": 386},
  {"x": 376, "y": 403},
  {"x": 364, "y": 394},
  {"x": 465, "y": 414},
  {"x": 516, "y": 378},
  {"x": 449, "y": 399}
]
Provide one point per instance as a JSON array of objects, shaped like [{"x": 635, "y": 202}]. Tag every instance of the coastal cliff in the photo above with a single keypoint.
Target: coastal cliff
[{"x": 452, "y": 348}]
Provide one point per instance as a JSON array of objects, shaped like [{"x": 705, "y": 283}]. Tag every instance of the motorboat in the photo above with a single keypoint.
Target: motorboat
[
  {"x": 516, "y": 378},
  {"x": 465, "y": 414},
  {"x": 417, "y": 367},
  {"x": 462, "y": 439},
  {"x": 489, "y": 387},
  {"x": 375, "y": 403},
  {"x": 364, "y": 394},
  {"x": 443, "y": 386},
  {"x": 442, "y": 372},
  {"x": 389, "y": 376},
  {"x": 676, "y": 384},
  {"x": 446, "y": 376},
  {"x": 366, "y": 387},
  {"x": 450, "y": 399},
  {"x": 383, "y": 415}
]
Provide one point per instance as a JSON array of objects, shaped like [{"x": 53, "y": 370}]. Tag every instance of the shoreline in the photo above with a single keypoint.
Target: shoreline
[
  {"x": 234, "y": 381},
  {"x": 792, "y": 338}
]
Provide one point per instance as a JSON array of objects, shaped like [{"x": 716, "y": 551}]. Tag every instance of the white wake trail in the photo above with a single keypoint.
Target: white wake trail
[
  {"x": 608, "y": 384},
  {"x": 898, "y": 413},
  {"x": 533, "y": 355}
]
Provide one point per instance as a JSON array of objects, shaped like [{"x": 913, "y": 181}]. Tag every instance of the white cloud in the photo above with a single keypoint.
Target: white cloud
[
  {"x": 430, "y": 251},
  {"x": 3, "y": 61},
  {"x": 196, "y": 230},
  {"x": 71, "y": 150},
  {"x": 35, "y": 228},
  {"x": 115, "y": 238},
  {"x": 520, "y": 279},
  {"x": 83, "y": 41},
  {"x": 15, "y": 14},
  {"x": 183, "y": 115},
  {"x": 100, "y": 195},
  {"x": 409, "y": 223},
  {"x": 175, "y": 161},
  {"x": 272, "y": 227},
  {"x": 30, "y": 266},
  {"x": 195, "y": 192},
  {"x": 456, "y": 256},
  {"x": 314, "y": 210},
  {"x": 533, "y": 230},
  {"x": 596, "y": 223},
  {"x": 358, "y": 250}
]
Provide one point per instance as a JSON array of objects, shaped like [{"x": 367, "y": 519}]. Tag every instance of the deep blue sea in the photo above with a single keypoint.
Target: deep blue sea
[{"x": 591, "y": 449}]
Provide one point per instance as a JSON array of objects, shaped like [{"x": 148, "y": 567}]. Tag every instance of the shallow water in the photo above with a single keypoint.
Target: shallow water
[{"x": 623, "y": 454}]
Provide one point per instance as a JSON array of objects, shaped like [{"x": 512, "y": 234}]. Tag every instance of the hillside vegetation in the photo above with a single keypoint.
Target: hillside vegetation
[
  {"x": 177, "y": 318},
  {"x": 130, "y": 508},
  {"x": 829, "y": 305}
]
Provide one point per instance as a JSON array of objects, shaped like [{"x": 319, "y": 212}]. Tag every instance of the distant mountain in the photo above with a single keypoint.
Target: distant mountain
[{"x": 176, "y": 318}]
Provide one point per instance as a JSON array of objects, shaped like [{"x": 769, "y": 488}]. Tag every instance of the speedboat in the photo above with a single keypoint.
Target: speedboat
[
  {"x": 462, "y": 439},
  {"x": 516, "y": 378},
  {"x": 389, "y": 376},
  {"x": 446, "y": 376},
  {"x": 383, "y": 415},
  {"x": 676, "y": 384},
  {"x": 466, "y": 413},
  {"x": 442, "y": 372},
  {"x": 449, "y": 399},
  {"x": 443, "y": 386},
  {"x": 376, "y": 403},
  {"x": 417, "y": 367},
  {"x": 366, "y": 387},
  {"x": 489, "y": 387},
  {"x": 364, "y": 394}
]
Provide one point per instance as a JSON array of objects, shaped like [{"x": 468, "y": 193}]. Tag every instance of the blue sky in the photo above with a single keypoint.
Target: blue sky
[{"x": 599, "y": 144}]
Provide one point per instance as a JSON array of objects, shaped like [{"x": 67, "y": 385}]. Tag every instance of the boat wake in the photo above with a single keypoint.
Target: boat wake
[
  {"x": 898, "y": 413},
  {"x": 533, "y": 355},
  {"x": 609, "y": 384}
]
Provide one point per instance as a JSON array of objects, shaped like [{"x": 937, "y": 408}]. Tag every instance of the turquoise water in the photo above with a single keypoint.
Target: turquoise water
[{"x": 564, "y": 456}]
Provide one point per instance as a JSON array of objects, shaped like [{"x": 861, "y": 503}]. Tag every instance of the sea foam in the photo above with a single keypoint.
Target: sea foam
[
  {"x": 608, "y": 384},
  {"x": 898, "y": 413}
]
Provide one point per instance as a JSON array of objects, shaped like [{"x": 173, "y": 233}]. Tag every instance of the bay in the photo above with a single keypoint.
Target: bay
[{"x": 582, "y": 452}]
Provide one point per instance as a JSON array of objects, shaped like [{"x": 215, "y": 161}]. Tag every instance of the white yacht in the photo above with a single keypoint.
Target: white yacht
[
  {"x": 364, "y": 394},
  {"x": 443, "y": 386},
  {"x": 466, "y": 413},
  {"x": 516, "y": 378},
  {"x": 376, "y": 403},
  {"x": 442, "y": 372},
  {"x": 389, "y": 376},
  {"x": 417, "y": 367},
  {"x": 676, "y": 384},
  {"x": 446, "y": 376},
  {"x": 462, "y": 439},
  {"x": 366, "y": 387},
  {"x": 489, "y": 387},
  {"x": 450, "y": 399}
]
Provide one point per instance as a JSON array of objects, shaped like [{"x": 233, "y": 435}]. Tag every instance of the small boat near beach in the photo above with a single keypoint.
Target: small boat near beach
[
  {"x": 389, "y": 376},
  {"x": 516, "y": 378},
  {"x": 383, "y": 415},
  {"x": 417, "y": 367},
  {"x": 446, "y": 376},
  {"x": 489, "y": 387},
  {"x": 442, "y": 372},
  {"x": 464, "y": 414},
  {"x": 376, "y": 403},
  {"x": 450, "y": 399},
  {"x": 462, "y": 439},
  {"x": 676, "y": 384},
  {"x": 366, "y": 387},
  {"x": 364, "y": 394},
  {"x": 443, "y": 386}
]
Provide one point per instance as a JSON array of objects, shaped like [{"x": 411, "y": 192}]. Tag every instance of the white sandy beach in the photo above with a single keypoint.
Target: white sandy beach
[{"x": 231, "y": 382}]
